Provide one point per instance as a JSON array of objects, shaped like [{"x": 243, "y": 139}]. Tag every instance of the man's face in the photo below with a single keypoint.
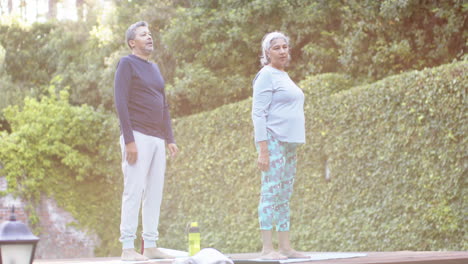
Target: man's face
[{"x": 143, "y": 42}]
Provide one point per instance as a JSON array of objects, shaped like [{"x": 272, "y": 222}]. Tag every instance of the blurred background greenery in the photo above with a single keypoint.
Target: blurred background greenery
[{"x": 385, "y": 81}]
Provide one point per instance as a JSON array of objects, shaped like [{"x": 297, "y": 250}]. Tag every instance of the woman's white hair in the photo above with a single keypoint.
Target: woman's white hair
[{"x": 266, "y": 45}]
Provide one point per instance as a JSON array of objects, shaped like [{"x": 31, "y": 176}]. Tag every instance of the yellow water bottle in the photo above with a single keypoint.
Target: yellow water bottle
[{"x": 194, "y": 238}]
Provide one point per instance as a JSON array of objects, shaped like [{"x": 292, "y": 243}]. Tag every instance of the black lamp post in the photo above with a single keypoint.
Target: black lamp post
[{"x": 17, "y": 243}]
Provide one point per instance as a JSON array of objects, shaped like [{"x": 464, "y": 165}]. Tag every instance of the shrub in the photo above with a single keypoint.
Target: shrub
[
  {"x": 197, "y": 89},
  {"x": 68, "y": 153}
]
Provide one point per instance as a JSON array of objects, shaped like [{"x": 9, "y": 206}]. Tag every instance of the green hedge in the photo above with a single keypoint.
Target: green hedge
[{"x": 395, "y": 150}]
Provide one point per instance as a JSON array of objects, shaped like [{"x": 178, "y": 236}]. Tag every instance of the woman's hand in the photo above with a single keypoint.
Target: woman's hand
[{"x": 263, "y": 161}]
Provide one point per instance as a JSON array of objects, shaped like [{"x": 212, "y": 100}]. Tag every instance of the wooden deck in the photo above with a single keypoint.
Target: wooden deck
[
  {"x": 410, "y": 257},
  {"x": 399, "y": 257}
]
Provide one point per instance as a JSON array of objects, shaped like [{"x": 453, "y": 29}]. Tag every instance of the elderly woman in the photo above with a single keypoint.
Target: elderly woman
[{"x": 278, "y": 119}]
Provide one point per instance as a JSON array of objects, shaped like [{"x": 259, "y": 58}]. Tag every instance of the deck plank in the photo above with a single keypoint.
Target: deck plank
[{"x": 394, "y": 257}]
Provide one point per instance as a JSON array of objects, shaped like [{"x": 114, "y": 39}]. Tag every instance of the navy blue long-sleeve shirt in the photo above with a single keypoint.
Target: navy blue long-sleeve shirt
[{"x": 140, "y": 99}]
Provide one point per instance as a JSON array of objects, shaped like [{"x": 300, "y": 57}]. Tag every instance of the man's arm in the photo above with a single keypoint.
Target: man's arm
[
  {"x": 122, "y": 82},
  {"x": 169, "y": 133}
]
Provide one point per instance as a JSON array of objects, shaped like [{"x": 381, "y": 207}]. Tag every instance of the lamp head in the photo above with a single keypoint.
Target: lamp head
[{"x": 17, "y": 243}]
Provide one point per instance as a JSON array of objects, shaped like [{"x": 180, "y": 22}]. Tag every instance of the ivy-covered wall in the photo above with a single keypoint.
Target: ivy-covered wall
[{"x": 395, "y": 151}]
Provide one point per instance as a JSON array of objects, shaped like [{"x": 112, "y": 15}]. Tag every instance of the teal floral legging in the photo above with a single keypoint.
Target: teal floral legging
[{"x": 277, "y": 185}]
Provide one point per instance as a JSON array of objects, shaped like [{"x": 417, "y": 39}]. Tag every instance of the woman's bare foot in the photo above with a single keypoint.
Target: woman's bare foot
[
  {"x": 272, "y": 255},
  {"x": 293, "y": 254}
]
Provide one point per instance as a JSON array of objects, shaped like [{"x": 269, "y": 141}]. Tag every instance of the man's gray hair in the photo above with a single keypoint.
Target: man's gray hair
[
  {"x": 266, "y": 45},
  {"x": 131, "y": 31}
]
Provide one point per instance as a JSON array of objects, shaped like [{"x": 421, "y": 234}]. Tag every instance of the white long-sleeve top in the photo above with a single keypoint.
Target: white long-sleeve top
[{"x": 277, "y": 107}]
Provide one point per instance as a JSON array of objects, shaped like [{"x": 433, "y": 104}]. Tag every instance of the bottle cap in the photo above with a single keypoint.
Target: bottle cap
[{"x": 194, "y": 224}]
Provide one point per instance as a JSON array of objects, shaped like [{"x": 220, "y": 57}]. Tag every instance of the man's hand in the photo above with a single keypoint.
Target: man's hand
[
  {"x": 131, "y": 152},
  {"x": 173, "y": 150}
]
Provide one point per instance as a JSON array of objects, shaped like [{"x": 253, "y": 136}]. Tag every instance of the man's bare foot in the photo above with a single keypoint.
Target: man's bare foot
[
  {"x": 156, "y": 253},
  {"x": 293, "y": 254},
  {"x": 272, "y": 255},
  {"x": 131, "y": 255}
]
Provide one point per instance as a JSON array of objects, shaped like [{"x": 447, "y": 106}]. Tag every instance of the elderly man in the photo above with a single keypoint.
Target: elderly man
[{"x": 145, "y": 126}]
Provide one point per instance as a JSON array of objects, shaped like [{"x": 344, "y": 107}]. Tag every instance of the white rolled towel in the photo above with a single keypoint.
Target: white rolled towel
[{"x": 206, "y": 256}]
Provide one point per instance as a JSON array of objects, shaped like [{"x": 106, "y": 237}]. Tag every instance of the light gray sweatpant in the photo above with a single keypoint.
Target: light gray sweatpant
[{"x": 143, "y": 185}]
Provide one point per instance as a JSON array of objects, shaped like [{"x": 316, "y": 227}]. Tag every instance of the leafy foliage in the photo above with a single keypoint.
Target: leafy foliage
[
  {"x": 197, "y": 89},
  {"x": 66, "y": 152},
  {"x": 220, "y": 40},
  {"x": 370, "y": 39},
  {"x": 224, "y": 37},
  {"x": 23, "y": 60},
  {"x": 36, "y": 55},
  {"x": 388, "y": 37}
]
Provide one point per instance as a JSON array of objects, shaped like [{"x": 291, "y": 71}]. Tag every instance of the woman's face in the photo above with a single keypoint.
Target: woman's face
[{"x": 279, "y": 53}]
